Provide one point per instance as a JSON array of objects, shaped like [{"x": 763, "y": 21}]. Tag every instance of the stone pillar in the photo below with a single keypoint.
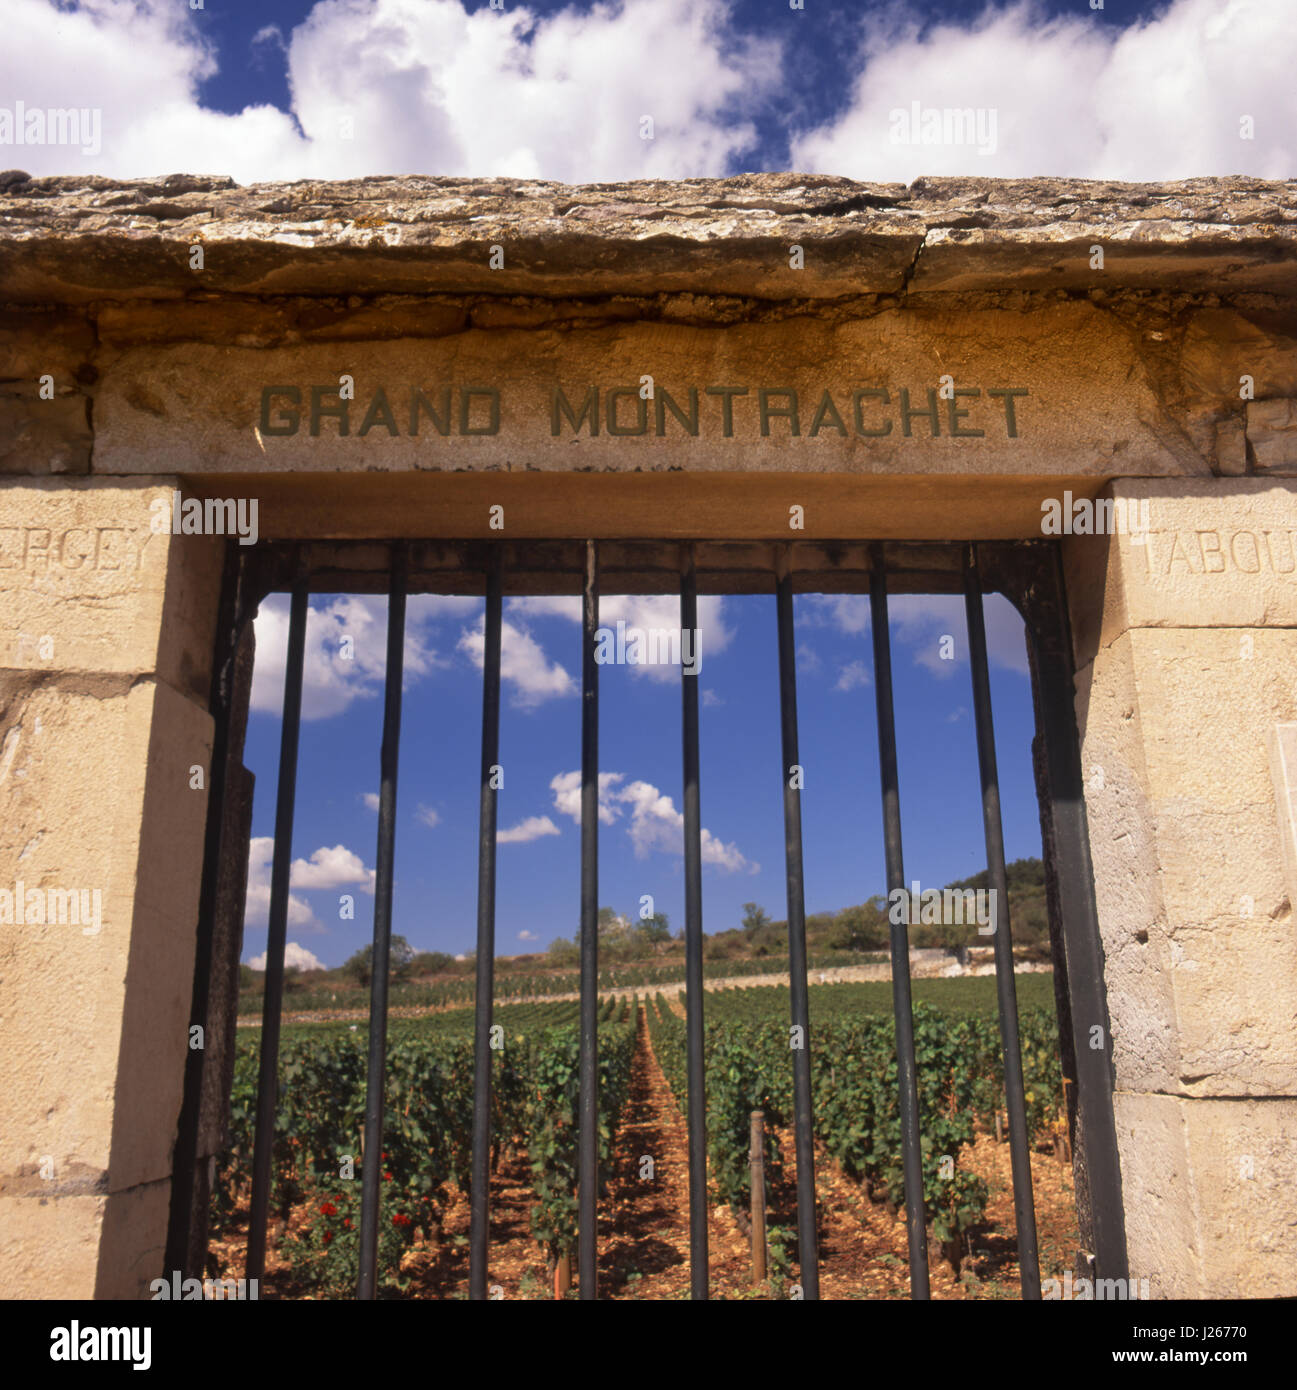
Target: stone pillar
[
  {"x": 1186, "y": 655},
  {"x": 106, "y": 637}
]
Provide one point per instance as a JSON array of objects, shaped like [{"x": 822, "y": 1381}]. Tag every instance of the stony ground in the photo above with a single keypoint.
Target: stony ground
[{"x": 644, "y": 1228}]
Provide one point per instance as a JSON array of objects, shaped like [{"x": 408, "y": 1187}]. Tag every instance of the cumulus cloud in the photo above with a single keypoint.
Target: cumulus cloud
[
  {"x": 256, "y": 907},
  {"x": 656, "y": 612},
  {"x": 566, "y": 787},
  {"x": 523, "y": 664},
  {"x": 326, "y": 869},
  {"x": 331, "y": 868},
  {"x": 370, "y": 799},
  {"x": 427, "y": 815},
  {"x": 406, "y": 86},
  {"x": 525, "y": 935},
  {"x": 654, "y": 822},
  {"x": 527, "y": 830},
  {"x": 295, "y": 957},
  {"x": 1161, "y": 98},
  {"x": 346, "y": 651}
]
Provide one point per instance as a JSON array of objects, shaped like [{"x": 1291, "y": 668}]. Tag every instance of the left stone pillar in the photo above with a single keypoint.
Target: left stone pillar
[{"x": 107, "y": 629}]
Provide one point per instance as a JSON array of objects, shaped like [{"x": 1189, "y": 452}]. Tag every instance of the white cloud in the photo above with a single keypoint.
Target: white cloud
[
  {"x": 429, "y": 88},
  {"x": 370, "y": 799},
  {"x": 566, "y": 787},
  {"x": 1074, "y": 97},
  {"x": 711, "y": 699},
  {"x": 848, "y": 613},
  {"x": 525, "y": 831},
  {"x": 331, "y": 868},
  {"x": 852, "y": 676},
  {"x": 331, "y": 680},
  {"x": 523, "y": 664},
  {"x": 256, "y": 908},
  {"x": 295, "y": 956},
  {"x": 654, "y": 824},
  {"x": 426, "y": 815},
  {"x": 525, "y": 935},
  {"x": 660, "y": 612}
]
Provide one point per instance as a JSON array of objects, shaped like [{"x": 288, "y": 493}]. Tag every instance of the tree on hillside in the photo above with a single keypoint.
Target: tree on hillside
[
  {"x": 563, "y": 952},
  {"x": 432, "y": 962},
  {"x": 654, "y": 929},
  {"x": 754, "y": 918},
  {"x": 861, "y": 928},
  {"x": 360, "y": 966}
]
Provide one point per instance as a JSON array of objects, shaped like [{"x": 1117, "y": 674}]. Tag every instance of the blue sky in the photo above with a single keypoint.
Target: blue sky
[
  {"x": 288, "y": 89},
  {"x": 640, "y": 840}
]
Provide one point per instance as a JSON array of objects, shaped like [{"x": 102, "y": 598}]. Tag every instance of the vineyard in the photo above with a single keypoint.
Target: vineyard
[
  {"x": 460, "y": 992},
  {"x": 426, "y": 1158}
]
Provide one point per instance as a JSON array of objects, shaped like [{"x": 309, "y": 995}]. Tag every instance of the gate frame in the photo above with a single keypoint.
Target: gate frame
[{"x": 1028, "y": 573}]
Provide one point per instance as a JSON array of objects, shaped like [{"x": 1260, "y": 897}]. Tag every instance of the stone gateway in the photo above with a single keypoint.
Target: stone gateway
[{"x": 646, "y": 365}]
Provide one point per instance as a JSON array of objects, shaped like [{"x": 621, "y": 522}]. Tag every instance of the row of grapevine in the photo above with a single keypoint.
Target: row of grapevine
[
  {"x": 531, "y": 984},
  {"x": 427, "y": 1129},
  {"x": 855, "y": 1093}
]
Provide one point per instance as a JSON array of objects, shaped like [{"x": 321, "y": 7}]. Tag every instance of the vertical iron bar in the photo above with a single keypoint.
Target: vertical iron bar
[
  {"x": 697, "y": 1105},
  {"x": 1019, "y": 1149},
  {"x": 1054, "y": 669},
  {"x": 371, "y": 1170},
  {"x": 800, "y": 1001},
  {"x": 911, "y": 1151},
  {"x": 180, "y": 1231},
  {"x": 479, "y": 1200},
  {"x": 588, "y": 1154},
  {"x": 277, "y": 933}
]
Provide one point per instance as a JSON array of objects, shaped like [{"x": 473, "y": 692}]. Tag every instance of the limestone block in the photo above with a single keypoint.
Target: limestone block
[
  {"x": 95, "y": 799},
  {"x": 1243, "y": 1155},
  {"x": 1128, "y": 898},
  {"x": 1231, "y": 447},
  {"x": 1163, "y": 1242},
  {"x": 804, "y": 395},
  {"x": 1272, "y": 433},
  {"x": 1202, "y": 1182},
  {"x": 84, "y": 1247},
  {"x": 35, "y": 344},
  {"x": 1186, "y": 853},
  {"x": 51, "y": 1245},
  {"x": 40, "y": 437},
  {"x": 1217, "y": 553},
  {"x": 86, "y": 586},
  {"x": 133, "y": 1241},
  {"x": 67, "y": 241}
]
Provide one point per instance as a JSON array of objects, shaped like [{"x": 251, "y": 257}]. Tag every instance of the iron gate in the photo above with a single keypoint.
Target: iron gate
[{"x": 1028, "y": 573}]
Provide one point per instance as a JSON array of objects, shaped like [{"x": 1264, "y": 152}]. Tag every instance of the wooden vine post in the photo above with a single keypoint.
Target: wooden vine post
[{"x": 757, "y": 1161}]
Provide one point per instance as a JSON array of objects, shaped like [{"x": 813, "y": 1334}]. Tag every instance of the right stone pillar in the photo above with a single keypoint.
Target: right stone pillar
[{"x": 1185, "y": 643}]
